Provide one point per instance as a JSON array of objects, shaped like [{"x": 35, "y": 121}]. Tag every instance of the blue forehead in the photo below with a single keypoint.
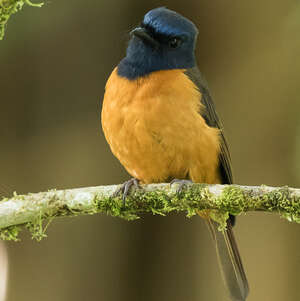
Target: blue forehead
[{"x": 169, "y": 22}]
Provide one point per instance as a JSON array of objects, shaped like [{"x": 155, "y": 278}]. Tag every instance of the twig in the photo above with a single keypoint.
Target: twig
[{"x": 10, "y": 7}]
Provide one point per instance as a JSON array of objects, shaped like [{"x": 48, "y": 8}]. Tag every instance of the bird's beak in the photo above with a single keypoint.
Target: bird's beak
[{"x": 142, "y": 34}]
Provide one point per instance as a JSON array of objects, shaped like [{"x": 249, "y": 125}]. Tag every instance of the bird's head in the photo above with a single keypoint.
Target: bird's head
[{"x": 164, "y": 40}]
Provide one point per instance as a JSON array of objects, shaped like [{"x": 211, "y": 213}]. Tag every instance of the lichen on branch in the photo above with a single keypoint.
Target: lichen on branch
[
  {"x": 10, "y": 7},
  {"x": 35, "y": 211}
]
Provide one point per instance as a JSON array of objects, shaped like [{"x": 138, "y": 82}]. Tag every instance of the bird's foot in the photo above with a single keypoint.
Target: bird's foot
[
  {"x": 125, "y": 188},
  {"x": 182, "y": 184}
]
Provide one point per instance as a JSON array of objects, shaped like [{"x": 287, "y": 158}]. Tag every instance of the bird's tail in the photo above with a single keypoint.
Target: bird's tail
[{"x": 230, "y": 261}]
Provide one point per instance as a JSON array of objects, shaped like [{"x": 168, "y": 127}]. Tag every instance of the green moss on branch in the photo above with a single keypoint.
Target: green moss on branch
[
  {"x": 10, "y": 7},
  {"x": 34, "y": 211}
]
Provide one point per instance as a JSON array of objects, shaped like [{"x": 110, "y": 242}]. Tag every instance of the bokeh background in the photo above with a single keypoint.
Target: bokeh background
[{"x": 54, "y": 62}]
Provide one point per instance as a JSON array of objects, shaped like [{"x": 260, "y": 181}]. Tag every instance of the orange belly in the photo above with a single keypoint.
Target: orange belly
[{"x": 154, "y": 128}]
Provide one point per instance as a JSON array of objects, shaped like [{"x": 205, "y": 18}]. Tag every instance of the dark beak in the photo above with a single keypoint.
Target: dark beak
[{"x": 142, "y": 34}]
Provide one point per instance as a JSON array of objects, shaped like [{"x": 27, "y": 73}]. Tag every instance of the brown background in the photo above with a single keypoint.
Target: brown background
[{"x": 54, "y": 63}]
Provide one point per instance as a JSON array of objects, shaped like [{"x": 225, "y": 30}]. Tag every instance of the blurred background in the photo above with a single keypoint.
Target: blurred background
[{"x": 54, "y": 63}]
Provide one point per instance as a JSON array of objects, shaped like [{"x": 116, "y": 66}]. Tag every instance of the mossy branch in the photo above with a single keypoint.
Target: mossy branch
[
  {"x": 10, "y": 7},
  {"x": 35, "y": 209}
]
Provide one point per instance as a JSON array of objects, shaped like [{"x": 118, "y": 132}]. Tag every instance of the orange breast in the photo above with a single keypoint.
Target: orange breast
[{"x": 154, "y": 128}]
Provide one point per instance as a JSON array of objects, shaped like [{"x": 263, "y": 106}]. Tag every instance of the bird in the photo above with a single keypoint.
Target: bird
[{"x": 159, "y": 120}]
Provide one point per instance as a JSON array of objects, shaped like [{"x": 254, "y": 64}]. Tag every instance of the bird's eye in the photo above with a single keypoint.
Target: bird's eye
[{"x": 175, "y": 42}]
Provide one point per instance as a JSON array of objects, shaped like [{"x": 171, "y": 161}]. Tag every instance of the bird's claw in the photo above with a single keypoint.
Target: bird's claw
[
  {"x": 125, "y": 187},
  {"x": 181, "y": 184}
]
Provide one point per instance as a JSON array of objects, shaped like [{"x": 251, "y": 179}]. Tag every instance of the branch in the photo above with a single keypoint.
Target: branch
[
  {"x": 32, "y": 210},
  {"x": 10, "y": 7}
]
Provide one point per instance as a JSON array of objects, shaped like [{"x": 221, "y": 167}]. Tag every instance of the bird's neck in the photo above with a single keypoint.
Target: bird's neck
[{"x": 133, "y": 67}]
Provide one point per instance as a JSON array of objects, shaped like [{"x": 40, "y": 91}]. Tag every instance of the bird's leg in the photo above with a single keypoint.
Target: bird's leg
[
  {"x": 182, "y": 184},
  {"x": 125, "y": 187}
]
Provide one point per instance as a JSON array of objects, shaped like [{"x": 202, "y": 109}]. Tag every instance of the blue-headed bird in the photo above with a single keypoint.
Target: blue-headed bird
[{"x": 160, "y": 122}]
